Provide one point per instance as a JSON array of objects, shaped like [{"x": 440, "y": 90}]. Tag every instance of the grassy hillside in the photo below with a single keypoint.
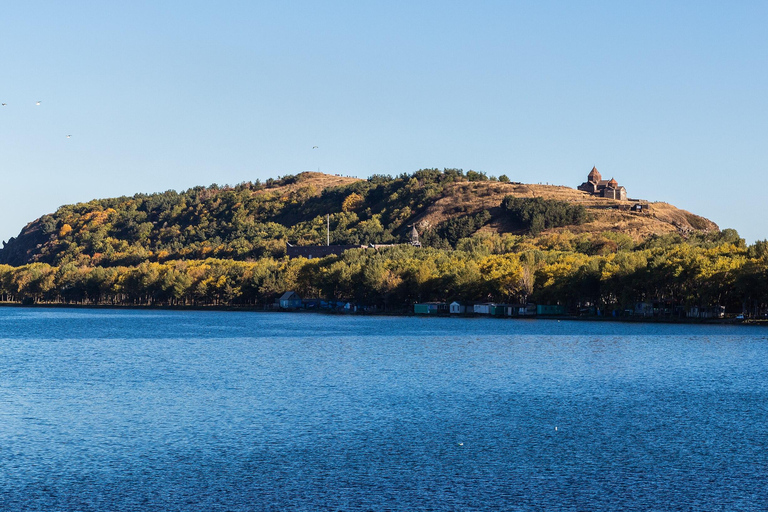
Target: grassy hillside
[{"x": 253, "y": 220}]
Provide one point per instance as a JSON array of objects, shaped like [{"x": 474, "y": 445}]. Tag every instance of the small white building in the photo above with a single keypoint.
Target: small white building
[
  {"x": 643, "y": 309},
  {"x": 706, "y": 312},
  {"x": 521, "y": 310},
  {"x": 457, "y": 309},
  {"x": 483, "y": 309}
]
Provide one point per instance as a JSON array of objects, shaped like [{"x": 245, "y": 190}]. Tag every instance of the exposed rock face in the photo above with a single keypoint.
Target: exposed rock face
[{"x": 24, "y": 248}]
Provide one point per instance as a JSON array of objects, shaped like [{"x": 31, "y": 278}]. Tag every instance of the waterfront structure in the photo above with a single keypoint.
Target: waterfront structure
[
  {"x": 290, "y": 300},
  {"x": 644, "y": 309},
  {"x": 597, "y": 186},
  {"x": 550, "y": 309},
  {"x": 430, "y": 308},
  {"x": 483, "y": 309},
  {"x": 457, "y": 309},
  {"x": 498, "y": 309},
  {"x": 706, "y": 312},
  {"x": 528, "y": 309}
]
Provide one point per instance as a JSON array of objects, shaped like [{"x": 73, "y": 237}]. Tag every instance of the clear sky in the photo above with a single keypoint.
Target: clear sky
[{"x": 670, "y": 98}]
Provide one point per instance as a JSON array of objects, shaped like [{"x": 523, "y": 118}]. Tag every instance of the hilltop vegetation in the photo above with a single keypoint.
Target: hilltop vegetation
[
  {"x": 254, "y": 220},
  {"x": 483, "y": 240}
]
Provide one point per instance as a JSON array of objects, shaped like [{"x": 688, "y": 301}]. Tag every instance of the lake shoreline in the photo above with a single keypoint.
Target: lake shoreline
[{"x": 257, "y": 309}]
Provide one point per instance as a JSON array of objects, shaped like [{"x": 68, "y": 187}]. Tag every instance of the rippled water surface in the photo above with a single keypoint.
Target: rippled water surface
[{"x": 147, "y": 410}]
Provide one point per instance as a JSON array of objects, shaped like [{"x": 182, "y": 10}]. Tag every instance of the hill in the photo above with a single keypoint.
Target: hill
[{"x": 252, "y": 220}]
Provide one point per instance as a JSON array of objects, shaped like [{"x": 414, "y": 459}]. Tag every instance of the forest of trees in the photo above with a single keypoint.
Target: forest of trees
[
  {"x": 225, "y": 246},
  {"x": 714, "y": 269},
  {"x": 231, "y": 222}
]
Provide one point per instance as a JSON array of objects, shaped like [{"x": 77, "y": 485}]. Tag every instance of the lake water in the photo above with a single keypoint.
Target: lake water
[{"x": 166, "y": 410}]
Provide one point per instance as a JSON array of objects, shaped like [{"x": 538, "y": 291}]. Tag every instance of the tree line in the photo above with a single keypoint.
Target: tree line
[{"x": 574, "y": 270}]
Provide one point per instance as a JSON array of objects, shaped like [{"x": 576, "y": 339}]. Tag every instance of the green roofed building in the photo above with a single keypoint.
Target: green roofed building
[{"x": 547, "y": 309}]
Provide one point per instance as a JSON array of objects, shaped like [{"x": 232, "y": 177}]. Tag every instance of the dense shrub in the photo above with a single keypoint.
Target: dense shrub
[
  {"x": 537, "y": 214},
  {"x": 455, "y": 229}
]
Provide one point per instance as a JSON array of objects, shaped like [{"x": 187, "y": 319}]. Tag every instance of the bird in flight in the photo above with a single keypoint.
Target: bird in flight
[
  {"x": 4, "y": 104},
  {"x": 38, "y": 103},
  {"x": 69, "y": 136},
  {"x": 314, "y": 147}
]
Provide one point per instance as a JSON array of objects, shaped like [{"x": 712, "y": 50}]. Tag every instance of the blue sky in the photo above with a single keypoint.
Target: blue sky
[{"x": 670, "y": 98}]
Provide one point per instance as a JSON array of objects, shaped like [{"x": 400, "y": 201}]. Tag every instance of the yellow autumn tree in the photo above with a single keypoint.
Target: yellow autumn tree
[
  {"x": 352, "y": 202},
  {"x": 502, "y": 274},
  {"x": 65, "y": 230}
]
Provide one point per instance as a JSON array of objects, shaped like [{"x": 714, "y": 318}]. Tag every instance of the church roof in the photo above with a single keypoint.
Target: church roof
[
  {"x": 594, "y": 175},
  {"x": 613, "y": 183}
]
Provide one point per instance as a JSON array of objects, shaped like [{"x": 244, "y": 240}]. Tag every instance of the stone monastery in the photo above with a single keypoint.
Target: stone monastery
[{"x": 596, "y": 185}]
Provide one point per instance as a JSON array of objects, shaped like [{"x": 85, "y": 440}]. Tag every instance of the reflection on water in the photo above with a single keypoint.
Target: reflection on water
[{"x": 155, "y": 410}]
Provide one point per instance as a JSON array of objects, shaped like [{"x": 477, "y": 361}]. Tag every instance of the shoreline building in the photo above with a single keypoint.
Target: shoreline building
[{"x": 597, "y": 186}]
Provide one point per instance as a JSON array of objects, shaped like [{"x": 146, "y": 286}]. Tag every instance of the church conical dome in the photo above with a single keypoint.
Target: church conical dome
[
  {"x": 594, "y": 175},
  {"x": 613, "y": 183}
]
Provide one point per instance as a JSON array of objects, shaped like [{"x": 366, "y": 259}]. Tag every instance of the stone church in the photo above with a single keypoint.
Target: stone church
[{"x": 597, "y": 186}]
